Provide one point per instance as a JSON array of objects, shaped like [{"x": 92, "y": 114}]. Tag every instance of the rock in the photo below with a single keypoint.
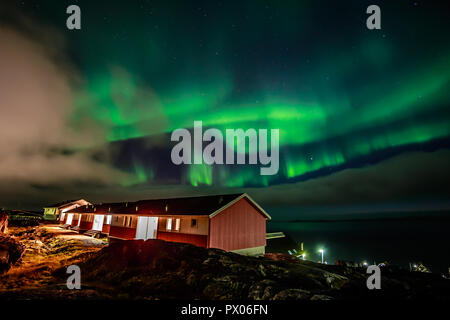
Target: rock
[
  {"x": 292, "y": 294},
  {"x": 192, "y": 279},
  {"x": 11, "y": 252},
  {"x": 334, "y": 280},
  {"x": 209, "y": 261},
  {"x": 323, "y": 297},
  {"x": 4, "y": 257},
  {"x": 225, "y": 260},
  {"x": 227, "y": 287},
  {"x": 262, "y": 270},
  {"x": 3, "y": 223},
  {"x": 263, "y": 290}
]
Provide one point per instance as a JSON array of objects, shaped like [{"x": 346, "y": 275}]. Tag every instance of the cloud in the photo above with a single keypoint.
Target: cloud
[
  {"x": 411, "y": 178},
  {"x": 38, "y": 145},
  {"x": 416, "y": 176}
]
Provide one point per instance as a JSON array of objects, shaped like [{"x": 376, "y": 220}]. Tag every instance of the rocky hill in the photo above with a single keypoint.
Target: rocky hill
[
  {"x": 37, "y": 259},
  {"x": 164, "y": 270}
]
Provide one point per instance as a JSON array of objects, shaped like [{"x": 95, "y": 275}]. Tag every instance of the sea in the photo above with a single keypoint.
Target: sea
[{"x": 398, "y": 241}]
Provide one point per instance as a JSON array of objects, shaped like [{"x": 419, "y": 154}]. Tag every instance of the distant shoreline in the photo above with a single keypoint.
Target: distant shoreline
[{"x": 381, "y": 219}]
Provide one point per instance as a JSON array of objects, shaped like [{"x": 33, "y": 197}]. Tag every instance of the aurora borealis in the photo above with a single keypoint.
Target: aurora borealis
[{"x": 343, "y": 97}]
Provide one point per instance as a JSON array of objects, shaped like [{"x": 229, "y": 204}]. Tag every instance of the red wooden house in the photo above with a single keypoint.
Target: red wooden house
[{"x": 232, "y": 222}]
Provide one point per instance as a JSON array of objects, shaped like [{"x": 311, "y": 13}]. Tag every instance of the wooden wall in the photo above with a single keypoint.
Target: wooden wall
[
  {"x": 75, "y": 219},
  {"x": 85, "y": 225},
  {"x": 122, "y": 232},
  {"x": 105, "y": 228},
  {"x": 186, "y": 224},
  {"x": 195, "y": 239},
  {"x": 240, "y": 226}
]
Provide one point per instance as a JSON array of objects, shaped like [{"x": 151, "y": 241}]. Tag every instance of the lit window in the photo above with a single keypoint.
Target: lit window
[
  {"x": 128, "y": 221},
  {"x": 108, "y": 219},
  {"x": 169, "y": 224},
  {"x": 177, "y": 224}
]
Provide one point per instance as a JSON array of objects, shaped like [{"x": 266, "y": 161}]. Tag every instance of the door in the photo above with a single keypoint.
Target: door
[
  {"x": 152, "y": 227},
  {"x": 141, "y": 228},
  {"x": 98, "y": 222},
  {"x": 147, "y": 228},
  {"x": 69, "y": 218}
]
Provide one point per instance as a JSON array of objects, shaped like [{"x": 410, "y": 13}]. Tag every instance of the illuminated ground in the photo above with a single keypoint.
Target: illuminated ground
[{"x": 48, "y": 248}]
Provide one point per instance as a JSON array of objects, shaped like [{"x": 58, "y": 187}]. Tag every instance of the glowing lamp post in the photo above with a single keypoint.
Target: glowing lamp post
[{"x": 321, "y": 251}]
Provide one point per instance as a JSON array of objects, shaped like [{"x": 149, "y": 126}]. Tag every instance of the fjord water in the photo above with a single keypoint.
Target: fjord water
[{"x": 398, "y": 240}]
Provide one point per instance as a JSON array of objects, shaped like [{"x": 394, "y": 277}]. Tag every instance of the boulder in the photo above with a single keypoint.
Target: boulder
[
  {"x": 11, "y": 252},
  {"x": 3, "y": 223},
  {"x": 292, "y": 294}
]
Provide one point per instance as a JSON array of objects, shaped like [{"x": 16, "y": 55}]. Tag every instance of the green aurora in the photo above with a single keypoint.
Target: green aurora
[{"x": 337, "y": 92}]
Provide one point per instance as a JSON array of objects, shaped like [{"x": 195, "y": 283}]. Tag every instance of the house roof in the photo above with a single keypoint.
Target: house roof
[
  {"x": 203, "y": 205},
  {"x": 63, "y": 204}
]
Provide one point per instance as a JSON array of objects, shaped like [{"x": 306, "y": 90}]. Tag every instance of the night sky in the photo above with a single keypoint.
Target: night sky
[{"x": 364, "y": 115}]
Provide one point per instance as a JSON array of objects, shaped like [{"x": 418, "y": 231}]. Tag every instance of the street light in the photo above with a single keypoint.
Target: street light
[{"x": 321, "y": 251}]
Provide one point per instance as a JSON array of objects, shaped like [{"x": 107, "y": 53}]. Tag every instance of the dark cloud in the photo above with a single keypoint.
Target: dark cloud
[
  {"x": 409, "y": 176},
  {"x": 38, "y": 144},
  {"x": 412, "y": 178}
]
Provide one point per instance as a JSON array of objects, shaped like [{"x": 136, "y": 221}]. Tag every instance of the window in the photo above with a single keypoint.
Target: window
[
  {"x": 193, "y": 223},
  {"x": 177, "y": 224},
  {"x": 128, "y": 221},
  {"x": 108, "y": 219},
  {"x": 169, "y": 224}
]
